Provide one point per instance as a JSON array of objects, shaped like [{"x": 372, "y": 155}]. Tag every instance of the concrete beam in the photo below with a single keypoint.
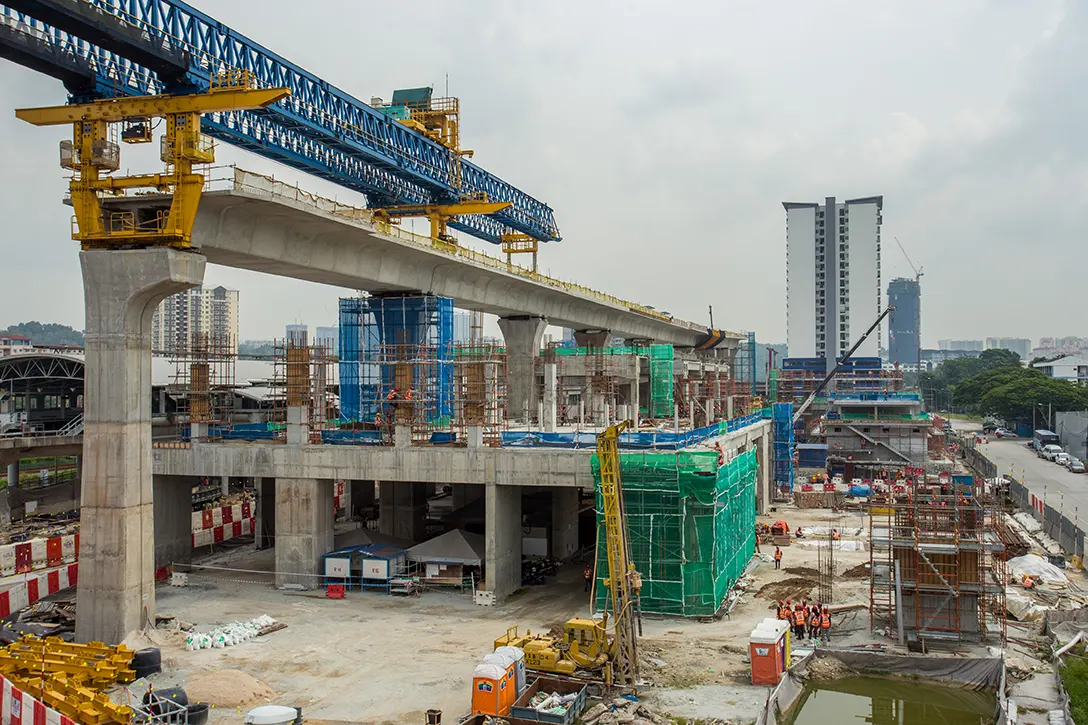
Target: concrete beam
[
  {"x": 259, "y": 229},
  {"x": 523, "y": 337},
  {"x": 304, "y": 531},
  {"x": 116, "y": 593},
  {"x": 502, "y": 540},
  {"x": 592, "y": 338},
  {"x": 173, "y": 520}
]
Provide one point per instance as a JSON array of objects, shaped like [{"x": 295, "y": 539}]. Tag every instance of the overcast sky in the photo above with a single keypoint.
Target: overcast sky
[{"x": 666, "y": 136}]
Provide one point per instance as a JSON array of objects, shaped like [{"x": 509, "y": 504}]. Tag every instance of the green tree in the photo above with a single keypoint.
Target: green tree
[
  {"x": 46, "y": 334},
  {"x": 969, "y": 393},
  {"x": 1015, "y": 399}
]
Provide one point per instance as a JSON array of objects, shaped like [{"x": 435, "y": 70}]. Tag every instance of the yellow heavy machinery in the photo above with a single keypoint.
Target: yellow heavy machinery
[
  {"x": 93, "y": 155},
  {"x": 607, "y": 648}
]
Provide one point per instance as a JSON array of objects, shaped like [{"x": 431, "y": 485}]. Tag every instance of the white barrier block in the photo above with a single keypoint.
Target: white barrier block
[
  {"x": 68, "y": 551},
  {"x": 38, "y": 556},
  {"x": 7, "y": 559},
  {"x": 217, "y": 516}
]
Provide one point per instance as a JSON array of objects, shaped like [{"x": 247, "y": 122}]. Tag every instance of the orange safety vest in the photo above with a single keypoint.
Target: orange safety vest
[
  {"x": 799, "y": 617},
  {"x": 825, "y": 621},
  {"x": 778, "y": 555},
  {"x": 814, "y": 621}
]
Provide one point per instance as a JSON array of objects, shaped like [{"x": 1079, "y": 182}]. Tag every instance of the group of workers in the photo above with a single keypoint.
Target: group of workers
[
  {"x": 394, "y": 398},
  {"x": 811, "y": 621}
]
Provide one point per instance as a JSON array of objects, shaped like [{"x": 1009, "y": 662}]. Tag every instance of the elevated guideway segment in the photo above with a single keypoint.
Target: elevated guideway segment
[{"x": 249, "y": 221}]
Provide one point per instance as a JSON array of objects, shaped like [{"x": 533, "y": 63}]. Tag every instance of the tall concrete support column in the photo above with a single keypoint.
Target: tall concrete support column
[
  {"x": 765, "y": 475},
  {"x": 116, "y": 594},
  {"x": 403, "y": 512},
  {"x": 502, "y": 540},
  {"x": 362, "y": 495},
  {"x": 303, "y": 529},
  {"x": 523, "y": 337},
  {"x": 264, "y": 513},
  {"x": 173, "y": 520},
  {"x": 551, "y": 397},
  {"x": 5, "y": 500},
  {"x": 565, "y": 502},
  {"x": 634, "y": 398},
  {"x": 224, "y": 485}
]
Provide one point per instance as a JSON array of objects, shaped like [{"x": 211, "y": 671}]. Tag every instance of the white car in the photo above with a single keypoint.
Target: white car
[
  {"x": 1060, "y": 458},
  {"x": 1049, "y": 451},
  {"x": 1075, "y": 465}
]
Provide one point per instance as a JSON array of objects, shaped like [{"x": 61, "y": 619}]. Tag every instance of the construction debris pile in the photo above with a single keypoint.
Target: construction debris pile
[
  {"x": 230, "y": 634},
  {"x": 630, "y": 711},
  {"x": 552, "y": 703}
]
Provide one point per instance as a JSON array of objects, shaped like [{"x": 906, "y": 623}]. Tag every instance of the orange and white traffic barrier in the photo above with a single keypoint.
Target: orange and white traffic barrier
[
  {"x": 22, "y": 594},
  {"x": 27, "y": 556}
]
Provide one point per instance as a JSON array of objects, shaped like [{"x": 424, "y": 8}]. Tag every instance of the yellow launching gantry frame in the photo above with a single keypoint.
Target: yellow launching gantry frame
[
  {"x": 440, "y": 214},
  {"x": 93, "y": 155}
]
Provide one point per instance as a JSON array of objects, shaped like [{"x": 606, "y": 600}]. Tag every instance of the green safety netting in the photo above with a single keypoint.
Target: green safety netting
[
  {"x": 691, "y": 527},
  {"x": 661, "y": 383}
]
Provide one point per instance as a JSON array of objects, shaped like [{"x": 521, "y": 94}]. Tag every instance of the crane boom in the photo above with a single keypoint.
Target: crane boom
[
  {"x": 623, "y": 581},
  {"x": 834, "y": 371}
]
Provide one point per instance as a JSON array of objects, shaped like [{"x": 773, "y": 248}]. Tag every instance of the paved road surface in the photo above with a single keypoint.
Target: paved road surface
[{"x": 1065, "y": 491}]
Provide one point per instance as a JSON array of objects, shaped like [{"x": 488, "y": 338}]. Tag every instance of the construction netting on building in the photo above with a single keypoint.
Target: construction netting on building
[
  {"x": 661, "y": 383},
  {"x": 690, "y": 524}
]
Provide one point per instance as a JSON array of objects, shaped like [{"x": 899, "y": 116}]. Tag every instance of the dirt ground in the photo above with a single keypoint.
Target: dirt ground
[{"x": 379, "y": 659}]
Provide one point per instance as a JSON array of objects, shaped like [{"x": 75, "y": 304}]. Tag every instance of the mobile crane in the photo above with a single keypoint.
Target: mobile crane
[
  {"x": 587, "y": 646},
  {"x": 842, "y": 361}
]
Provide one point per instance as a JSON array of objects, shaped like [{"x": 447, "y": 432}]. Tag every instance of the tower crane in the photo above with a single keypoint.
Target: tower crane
[
  {"x": 605, "y": 648},
  {"x": 917, "y": 270}
]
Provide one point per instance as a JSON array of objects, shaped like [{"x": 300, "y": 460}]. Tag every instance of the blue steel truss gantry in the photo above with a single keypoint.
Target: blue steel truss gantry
[{"x": 112, "y": 48}]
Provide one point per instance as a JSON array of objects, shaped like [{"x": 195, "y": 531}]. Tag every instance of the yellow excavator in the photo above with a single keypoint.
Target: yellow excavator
[{"x": 605, "y": 648}]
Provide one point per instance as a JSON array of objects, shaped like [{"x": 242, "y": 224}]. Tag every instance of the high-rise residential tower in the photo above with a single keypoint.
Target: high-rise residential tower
[{"x": 833, "y": 291}]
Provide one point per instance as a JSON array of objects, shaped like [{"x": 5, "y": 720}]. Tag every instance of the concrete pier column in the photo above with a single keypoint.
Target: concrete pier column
[
  {"x": 298, "y": 426},
  {"x": 362, "y": 495},
  {"x": 502, "y": 540},
  {"x": 264, "y": 513},
  {"x": 173, "y": 520},
  {"x": 564, "y": 522},
  {"x": 765, "y": 476},
  {"x": 116, "y": 594},
  {"x": 551, "y": 397},
  {"x": 303, "y": 529},
  {"x": 523, "y": 337},
  {"x": 5, "y": 500},
  {"x": 224, "y": 485},
  {"x": 403, "y": 512},
  {"x": 636, "y": 384},
  {"x": 466, "y": 493},
  {"x": 592, "y": 338}
]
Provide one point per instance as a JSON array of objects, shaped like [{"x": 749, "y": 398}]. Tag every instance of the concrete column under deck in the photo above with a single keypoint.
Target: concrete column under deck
[
  {"x": 264, "y": 513},
  {"x": 303, "y": 530},
  {"x": 564, "y": 522},
  {"x": 116, "y": 593},
  {"x": 551, "y": 397},
  {"x": 173, "y": 520},
  {"x": 523, "y": 337},
  {"x": 403, "y": 512},
  {"x": 765, "y": 474},
  {"x": 502, "y": 540},
  {"x": 5, "y": 500},
  {"x": 362, "y": 495}
]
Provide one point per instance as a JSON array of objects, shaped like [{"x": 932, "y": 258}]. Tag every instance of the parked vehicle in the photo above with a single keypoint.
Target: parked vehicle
[
  {"x": 1041, "y": 438},
  {"x": 1049, "y": 451},
  {"x": 1075, "y": 465},
  {"x": 1004, "y": 433},
  {"x": 1061, "y": 458}
]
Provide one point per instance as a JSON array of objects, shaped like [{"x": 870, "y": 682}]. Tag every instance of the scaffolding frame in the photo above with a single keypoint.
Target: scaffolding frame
[
  {"x": 479, "y": 390},
  {"x": 302, "y": 379},
  {"x": 937, "y": 563},
  {"x": 204, "y": 379}
]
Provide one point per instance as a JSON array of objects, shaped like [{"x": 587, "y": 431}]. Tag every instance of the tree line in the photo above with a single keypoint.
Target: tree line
[{"x": 995, "y": 383}]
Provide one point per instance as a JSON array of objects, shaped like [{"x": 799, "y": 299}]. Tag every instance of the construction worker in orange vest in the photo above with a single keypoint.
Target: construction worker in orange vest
[
  {"x": 825, "y": 625},
  {"x": 813, "y": 625},
  {"x": 588, "y": 575},
  {"x": 777, "y": 558},
  {"x": 799, "y": 622}
]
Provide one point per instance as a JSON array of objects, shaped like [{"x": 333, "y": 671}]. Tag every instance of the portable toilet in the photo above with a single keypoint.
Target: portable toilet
[
  {"x": 519, "y": 666},
  {"x": 767, "y": 649},
  {"x": 488, "y": 682},
  {"x": 508, "y": 686}
]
